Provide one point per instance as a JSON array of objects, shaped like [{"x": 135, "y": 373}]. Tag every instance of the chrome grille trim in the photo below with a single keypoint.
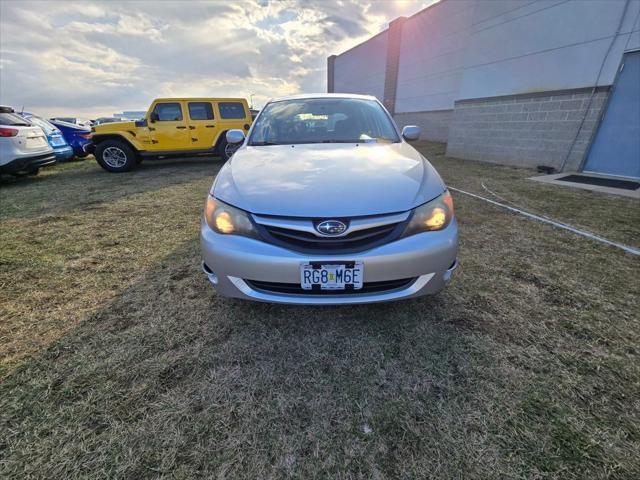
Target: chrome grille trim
[
  {"x": 308, "y": 225},
  {"x": 363, "y": 233}
]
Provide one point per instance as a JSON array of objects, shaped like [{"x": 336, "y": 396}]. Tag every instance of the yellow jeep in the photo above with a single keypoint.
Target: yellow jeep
[{"x": 172, "y": 127}]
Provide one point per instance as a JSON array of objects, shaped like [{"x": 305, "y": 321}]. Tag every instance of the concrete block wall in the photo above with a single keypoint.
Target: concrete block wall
[
  {"x": 434, "y": 125},
  {"x": 527, "y": 130}
]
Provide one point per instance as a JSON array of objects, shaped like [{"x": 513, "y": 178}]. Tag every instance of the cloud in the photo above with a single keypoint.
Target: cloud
[{"x": 96, "y": 58}]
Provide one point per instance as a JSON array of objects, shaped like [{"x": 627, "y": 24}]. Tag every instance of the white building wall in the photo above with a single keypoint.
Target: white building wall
[
  {"x": 509, "y": 81},
  {"x": 362, "y": 69},
  {"x": 544, "y": 46},
  {"x": 432, "y": 53},
  {"x": 632, "y": 41},
  {"x": 463, "y": 49}
]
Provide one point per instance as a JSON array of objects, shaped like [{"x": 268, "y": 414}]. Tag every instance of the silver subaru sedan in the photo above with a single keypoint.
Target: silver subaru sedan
[{"x": 325, "y": 202}]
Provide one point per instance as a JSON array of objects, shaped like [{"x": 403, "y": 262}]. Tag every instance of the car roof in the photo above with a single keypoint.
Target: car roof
[
  {"x": 205, "y": 99},
  {"x": 304, "y": 96}
]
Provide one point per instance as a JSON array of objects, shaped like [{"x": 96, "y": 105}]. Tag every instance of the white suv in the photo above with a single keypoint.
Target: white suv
[{"x": 23, "y": 147}]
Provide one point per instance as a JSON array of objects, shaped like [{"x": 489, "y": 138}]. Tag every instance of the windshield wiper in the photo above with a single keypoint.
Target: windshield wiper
[{"x": 262, "y": 144}]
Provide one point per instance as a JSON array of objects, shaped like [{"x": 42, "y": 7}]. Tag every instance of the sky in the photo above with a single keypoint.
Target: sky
[{"x": 96, "y": 58}]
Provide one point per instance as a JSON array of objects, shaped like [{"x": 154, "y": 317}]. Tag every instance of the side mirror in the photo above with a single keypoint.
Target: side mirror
[
  {"x": 235, "y": 136},
  {"x": 411, "y": 133},
  {"x": 154, "y": 117}
]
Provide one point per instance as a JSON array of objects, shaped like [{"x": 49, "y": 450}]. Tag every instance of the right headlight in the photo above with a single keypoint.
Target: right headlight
[
  {"x": 228, "y": 220},
  {"x": 431, "y": 216}
]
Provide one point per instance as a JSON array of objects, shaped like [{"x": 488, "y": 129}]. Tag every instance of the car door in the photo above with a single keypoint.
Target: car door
[
  {"x": 168, "y": 127},
  {"x": 203, "y": 128}
]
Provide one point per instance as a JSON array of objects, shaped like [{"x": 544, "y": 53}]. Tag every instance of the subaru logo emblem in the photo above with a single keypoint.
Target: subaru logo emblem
[{"x": 331, "y": 227}]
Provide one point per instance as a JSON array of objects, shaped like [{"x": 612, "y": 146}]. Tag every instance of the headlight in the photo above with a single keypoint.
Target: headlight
[
  {"x": 228, "y": 220},
  {"x": 433, "y": 215}
]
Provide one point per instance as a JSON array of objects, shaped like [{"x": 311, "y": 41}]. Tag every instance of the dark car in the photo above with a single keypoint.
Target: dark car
[{"x": 75, "y": 135}]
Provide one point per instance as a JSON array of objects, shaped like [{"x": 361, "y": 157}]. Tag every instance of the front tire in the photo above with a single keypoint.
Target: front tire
[{"x": 115, "y": 156}]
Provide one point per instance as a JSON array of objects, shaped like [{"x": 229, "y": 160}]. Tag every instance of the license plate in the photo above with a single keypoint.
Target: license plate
[
  {"x": 331, "y": 276},
  {"x": 34, "y": 142}
]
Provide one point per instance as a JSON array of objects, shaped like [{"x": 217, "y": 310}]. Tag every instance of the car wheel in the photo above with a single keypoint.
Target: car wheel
[
  {"x": 227, "y": 149},
  {"x": 115, "y": 156}
]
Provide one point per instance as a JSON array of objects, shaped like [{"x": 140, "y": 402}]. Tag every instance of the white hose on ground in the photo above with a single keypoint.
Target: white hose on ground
[{"x": 564, "y": 226}]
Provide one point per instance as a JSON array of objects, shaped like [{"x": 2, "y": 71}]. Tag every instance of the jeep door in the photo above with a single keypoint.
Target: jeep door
[
  {"x": 168, "y": 127},
  {"x": 203, "y": 128}
]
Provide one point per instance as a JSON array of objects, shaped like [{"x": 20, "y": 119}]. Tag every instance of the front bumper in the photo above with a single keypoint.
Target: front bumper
[
  {"x": 79, "y": 147},
  {"x": 28, "y": 163},
  {"x": 232, "y": 263}
]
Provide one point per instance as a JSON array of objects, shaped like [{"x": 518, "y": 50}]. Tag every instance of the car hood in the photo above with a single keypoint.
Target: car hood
[
  {"x": 327, "y": 180},
  {"x": 114, "y": 127},
  {"x": 71, "y": 128}
]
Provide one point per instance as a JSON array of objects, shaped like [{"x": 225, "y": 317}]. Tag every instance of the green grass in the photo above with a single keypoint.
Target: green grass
[{"x": 117, "y": 359}]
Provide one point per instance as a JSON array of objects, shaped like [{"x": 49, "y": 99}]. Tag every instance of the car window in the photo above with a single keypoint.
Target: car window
[
  {"x": 13, "y": 119},
  {"x": 323, "y": 120},
  {"x": 43, "y": 124},
  {"x": 200, "y": 111},
  {"x": 231, "y": 110},
  {"x": 168, "y": 112}
]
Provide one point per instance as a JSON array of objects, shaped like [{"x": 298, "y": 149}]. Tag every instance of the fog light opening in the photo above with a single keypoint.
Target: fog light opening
[
  {"x": 450, "y": 270},
  {"x": 213, "y": 278}
]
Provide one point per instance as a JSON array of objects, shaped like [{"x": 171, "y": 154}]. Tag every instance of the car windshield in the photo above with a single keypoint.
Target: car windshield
[
  {"x": 43, "y": 124},
  {"x": 13, "y": 120},
  {"x": 322, "y": 120}
]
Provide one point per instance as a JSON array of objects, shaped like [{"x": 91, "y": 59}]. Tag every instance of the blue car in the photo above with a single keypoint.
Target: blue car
[
  {"x": 75, "y": 135},
  {"x": 60, "y": 146}
]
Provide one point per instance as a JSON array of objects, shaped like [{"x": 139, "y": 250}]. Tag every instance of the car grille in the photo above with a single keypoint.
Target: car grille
[
  {"x": 296, "y": 289},
  {"x": 307, "y": 242}
]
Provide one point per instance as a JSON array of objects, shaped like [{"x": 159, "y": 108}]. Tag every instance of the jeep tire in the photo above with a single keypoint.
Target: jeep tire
[
  {"x": 227, "y": 149},
  {"x": 115, "y": 156}
]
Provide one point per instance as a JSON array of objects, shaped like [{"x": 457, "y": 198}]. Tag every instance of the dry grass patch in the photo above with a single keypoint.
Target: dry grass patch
[
  {"x": 613, "y": 217},
  {"x": 121, "y": 362}
]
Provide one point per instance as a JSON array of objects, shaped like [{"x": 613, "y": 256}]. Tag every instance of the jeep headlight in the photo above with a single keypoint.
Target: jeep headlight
[
  {"x": 228, "y": 220},
  {"x": 431, "y": 216}
]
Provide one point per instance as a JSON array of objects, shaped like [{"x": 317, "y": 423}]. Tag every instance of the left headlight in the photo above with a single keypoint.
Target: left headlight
[
  {"x": 431, "y": 216},
  {"x": 228, "y": 220}
]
